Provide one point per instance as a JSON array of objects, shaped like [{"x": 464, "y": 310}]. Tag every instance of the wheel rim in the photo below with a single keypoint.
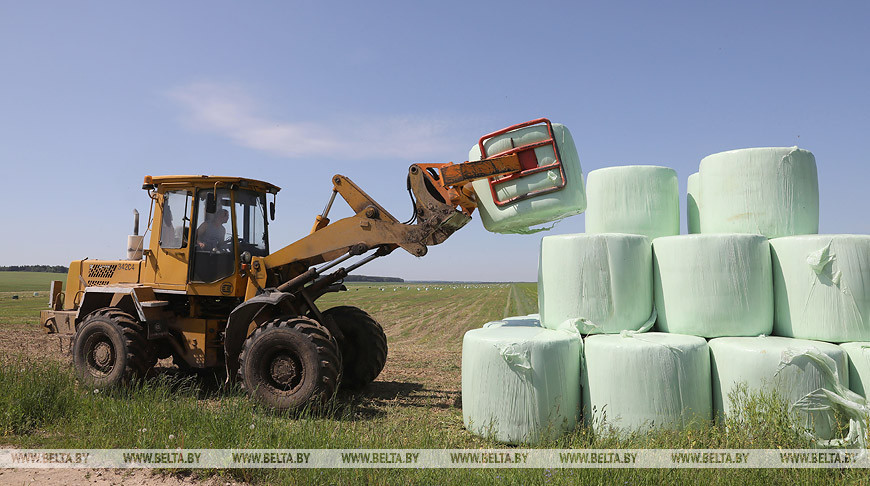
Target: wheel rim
[
  {"x": 284, "y": 370},
  {"x": 100, "y": 355}
]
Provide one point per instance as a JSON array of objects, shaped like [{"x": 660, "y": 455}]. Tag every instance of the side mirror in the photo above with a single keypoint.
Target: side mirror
[
  {"x": 272, "y": 210},
  {"x": 210, "y": 203}
]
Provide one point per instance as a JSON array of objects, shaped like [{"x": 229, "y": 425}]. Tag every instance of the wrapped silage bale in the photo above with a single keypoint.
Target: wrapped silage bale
[
  {"x": 600, "y": 283},
  {"x": 633, "y": 381},
  {"x": 531, "y": 320},
  {"x": 519, "y": 216},
  {"x": 821, "y": 287},
  {"x": 769, "y": 191},
  {"x": 520, "y": 384},
  {"x": 713, "y": 285},
  {"x": 693, "y": 214},
  {"x": 635, "y": 199},
  {"x": 859, "y": 366},
  {"x": 763, "y": 364}
]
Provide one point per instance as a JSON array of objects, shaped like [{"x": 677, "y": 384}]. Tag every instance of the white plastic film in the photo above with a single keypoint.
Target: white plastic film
[
  {"x": 520, "y": 216},
  {"x": 774, "y": 363},
  {"x": 713, "y": 285},
  {"x": 531, "y": 320},
  {"x": 595, "y": 283},
  {"x": 635, "y": 199},
  {"x": 769, "y": 191},
  {"x": 635, "y": 381},
  {"x": 693, "y": 195},
  {"x": 520, "y": 384},
  {"x": 859, "y": 366},
  {"x": 834, "y": 397},
  {"x": 821, "y": 287}
]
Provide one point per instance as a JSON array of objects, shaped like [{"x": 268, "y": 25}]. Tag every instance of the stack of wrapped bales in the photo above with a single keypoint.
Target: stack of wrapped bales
[
  {"x": 521, "y": 381},
  {"x": 752, "y": 295}
]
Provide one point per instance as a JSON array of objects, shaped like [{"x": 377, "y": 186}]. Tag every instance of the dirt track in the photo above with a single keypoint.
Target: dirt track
[{"x": 102, "y": 477}]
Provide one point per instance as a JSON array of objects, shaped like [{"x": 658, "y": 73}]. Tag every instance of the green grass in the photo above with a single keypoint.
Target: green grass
[
  {"x": 23, "y": 311},
  {"x": 28, "y": 281},
  {"x": 41, "y": 406}
]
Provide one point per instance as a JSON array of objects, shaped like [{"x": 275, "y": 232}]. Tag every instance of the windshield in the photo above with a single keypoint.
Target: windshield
[{"x": 251, "y": 222}]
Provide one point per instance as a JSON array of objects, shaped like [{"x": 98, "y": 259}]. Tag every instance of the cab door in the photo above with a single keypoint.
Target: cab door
[{"x": 214, "y": 244}]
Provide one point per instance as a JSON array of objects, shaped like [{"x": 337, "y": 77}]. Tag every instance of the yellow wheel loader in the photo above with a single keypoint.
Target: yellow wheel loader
[{"x": 210, "y": 292}]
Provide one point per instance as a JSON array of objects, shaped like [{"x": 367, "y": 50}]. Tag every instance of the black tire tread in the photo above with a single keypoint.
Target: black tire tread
[
  {"x": 141, "y": 356},
  {"x": 327, "y": 349},
  {"x": 366, "y": 336}
]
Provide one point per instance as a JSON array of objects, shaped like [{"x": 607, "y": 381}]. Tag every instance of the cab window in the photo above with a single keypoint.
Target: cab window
[
  {"x": 175, "y": 223},
  {"x": 251, "y": 222}
]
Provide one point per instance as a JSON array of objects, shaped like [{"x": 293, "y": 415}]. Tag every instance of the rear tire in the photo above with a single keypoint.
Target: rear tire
[
  {"x": 289, "y": 363},
  {"x": 364, "y": 347},
  {"x": 110, "y": 349}
]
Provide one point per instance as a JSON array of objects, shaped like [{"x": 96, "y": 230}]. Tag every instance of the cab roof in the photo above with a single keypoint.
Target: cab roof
[{"x": 206, "y": 180}]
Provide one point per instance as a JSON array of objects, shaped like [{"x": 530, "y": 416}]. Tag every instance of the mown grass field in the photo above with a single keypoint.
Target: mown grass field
[
  {"x": 28, "y": 281},
  {"x": 415, "y": 403}
]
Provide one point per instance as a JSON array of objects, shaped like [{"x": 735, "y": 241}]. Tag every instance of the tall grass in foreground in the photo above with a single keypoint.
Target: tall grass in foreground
[{"x": 42, "y": 407}]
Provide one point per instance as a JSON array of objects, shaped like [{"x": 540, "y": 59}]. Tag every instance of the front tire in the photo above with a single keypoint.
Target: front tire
[
  {"x": 110, "y": 349},
  {"x": 364, "y": 347},
  {"x": 289, "y": 363}
]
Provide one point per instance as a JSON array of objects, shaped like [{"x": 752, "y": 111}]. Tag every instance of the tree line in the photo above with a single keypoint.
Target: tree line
[
  {"x": 368, "y": 278},
  {"x": 35, "y": 268}
]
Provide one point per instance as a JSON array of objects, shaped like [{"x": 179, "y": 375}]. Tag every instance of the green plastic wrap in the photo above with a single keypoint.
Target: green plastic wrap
[
  {"x": 769, "y": 191},
  {"x": 713, "y": 285},
  {"x": 774, "y": 363},
  {"x": 821, "y": 287},
  {"x": 595, "y": 283},
  {"x": 693, "y": 212},
  {"x": 832, "y": 398},
  {"x": 520, "y": 384},
  {"x": 634, "y": 199},
  {"x": 633, "y": 381},
  {"x": 859, "y": 366},
  {"x": 520, "y": 216}
]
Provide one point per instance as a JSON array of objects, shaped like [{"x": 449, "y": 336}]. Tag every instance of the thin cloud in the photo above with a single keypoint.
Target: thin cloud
[{"x": 233, "y": 113}]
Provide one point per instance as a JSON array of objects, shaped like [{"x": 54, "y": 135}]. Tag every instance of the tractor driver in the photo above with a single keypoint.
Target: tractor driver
[{"x": 211, "y": 233}]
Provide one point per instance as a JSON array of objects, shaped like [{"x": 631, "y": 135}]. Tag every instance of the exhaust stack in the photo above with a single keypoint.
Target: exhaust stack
[{"x": 135, "y": 242}]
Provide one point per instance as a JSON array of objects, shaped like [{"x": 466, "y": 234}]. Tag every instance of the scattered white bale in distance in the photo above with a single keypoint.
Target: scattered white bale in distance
[
  {"x": 713, "y": 285},
  {"x": 520, "y": 384},
  {"x": 760, "y": 364},
  {"x": 519, "y": 216},
  {"x": 634, "y": 199},
  {"x": 600, "y": 283},
  {"x": 859, "y": 366},
  {"x": 633, "y": 381},
  {"x": 693, "y": 198},
  {"x": 769, "y": 191},
  {"x": 821, "y": 286}
]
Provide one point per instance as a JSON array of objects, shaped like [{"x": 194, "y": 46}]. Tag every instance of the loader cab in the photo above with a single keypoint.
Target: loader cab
[
  {"x": 205, "y": 224},
  {"x": 228, "y": 222}
]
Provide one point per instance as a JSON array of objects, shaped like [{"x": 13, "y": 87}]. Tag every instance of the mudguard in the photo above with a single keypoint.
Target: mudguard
[{"x": 240, "y": 319}]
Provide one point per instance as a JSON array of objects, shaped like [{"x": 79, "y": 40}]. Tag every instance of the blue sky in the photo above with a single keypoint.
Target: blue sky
[{"x": 95, "y": 95}]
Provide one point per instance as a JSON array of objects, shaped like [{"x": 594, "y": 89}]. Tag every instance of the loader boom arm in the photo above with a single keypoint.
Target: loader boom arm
[{"x": 444, "y": 202}]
